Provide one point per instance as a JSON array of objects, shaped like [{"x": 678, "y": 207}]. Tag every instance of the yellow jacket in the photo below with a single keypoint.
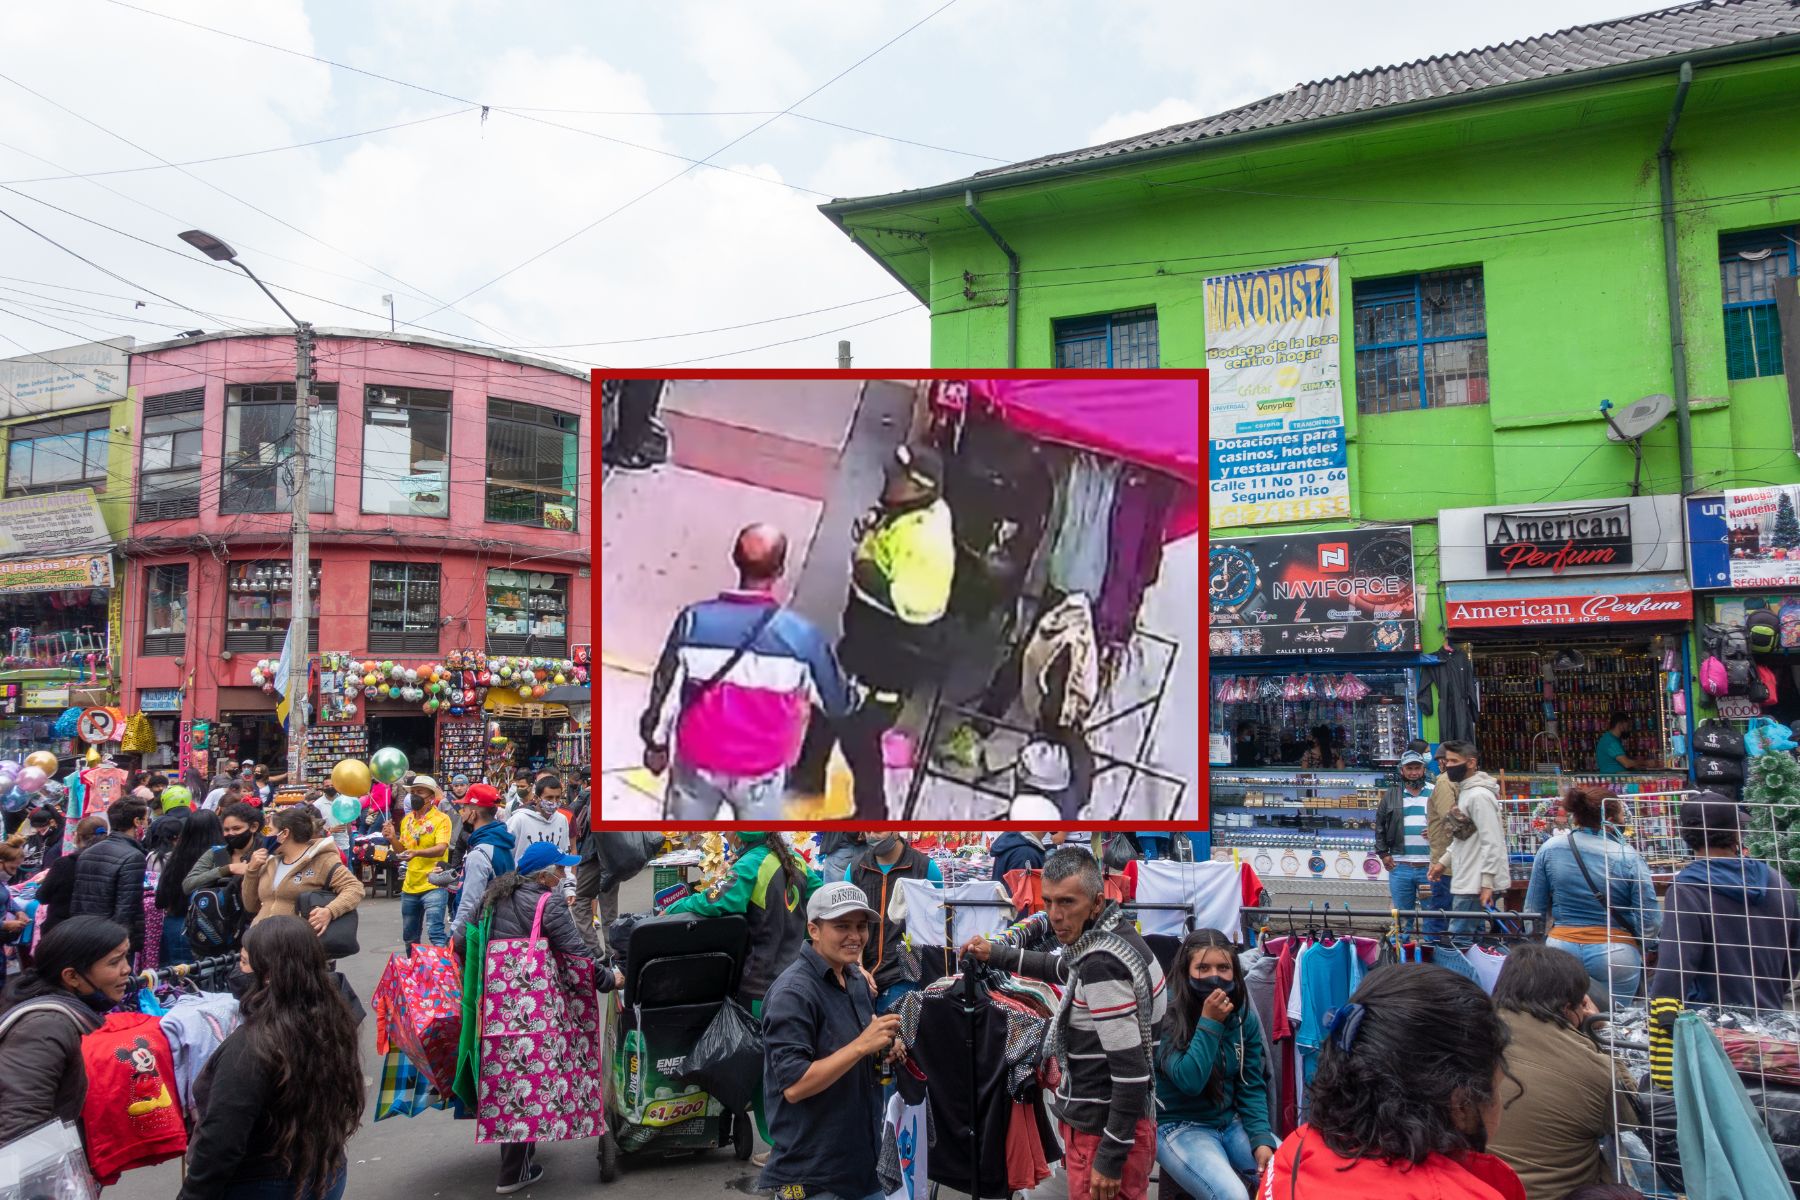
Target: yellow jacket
[{"x": 914, "y": 554}]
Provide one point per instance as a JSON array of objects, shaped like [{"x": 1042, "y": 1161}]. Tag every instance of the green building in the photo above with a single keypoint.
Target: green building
[
  {"x": 65, "y": 424},
  {"x": 1508, "y": 227}
]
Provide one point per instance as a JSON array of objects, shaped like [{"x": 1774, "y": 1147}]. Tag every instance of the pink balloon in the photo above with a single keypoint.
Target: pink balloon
[{"x": 30, "y": 779}]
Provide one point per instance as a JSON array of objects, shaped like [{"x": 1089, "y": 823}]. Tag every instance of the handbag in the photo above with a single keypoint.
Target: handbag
[
  {"x": 404, "y": 1090},
  {"x": 418, "y": 1009},
  {"x": 339, "y": 938},
  {"x": 539, "y": 1077}
]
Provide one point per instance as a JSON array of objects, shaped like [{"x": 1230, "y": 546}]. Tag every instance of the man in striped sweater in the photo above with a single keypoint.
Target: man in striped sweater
[{"x": 1104, "y": 1037}]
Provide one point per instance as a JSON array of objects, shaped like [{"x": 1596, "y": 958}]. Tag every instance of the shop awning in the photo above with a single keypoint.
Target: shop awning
[{"x": 1152, "y": 422}]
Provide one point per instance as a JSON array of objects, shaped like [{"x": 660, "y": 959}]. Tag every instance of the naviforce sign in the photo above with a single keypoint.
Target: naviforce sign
[{"x": 1558, "y": 539}]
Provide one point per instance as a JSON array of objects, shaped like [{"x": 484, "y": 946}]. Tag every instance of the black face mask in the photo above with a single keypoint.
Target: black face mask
[
  {"x": 1203, "y": 986},
  {"x": 884, "y": 844},
  {"x": 1458, "y": 773},
  {"x": 237, "y": 841},
  {"x": 95, "y": 999}
]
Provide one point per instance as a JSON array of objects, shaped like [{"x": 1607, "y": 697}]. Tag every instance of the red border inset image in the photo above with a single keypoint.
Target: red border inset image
[{"x": 949, "y": 599}]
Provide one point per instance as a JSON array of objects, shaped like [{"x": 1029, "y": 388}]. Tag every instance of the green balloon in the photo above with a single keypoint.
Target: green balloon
[
  {"x": 388, "y": 765},
  {"x": 345, "y": 809}
]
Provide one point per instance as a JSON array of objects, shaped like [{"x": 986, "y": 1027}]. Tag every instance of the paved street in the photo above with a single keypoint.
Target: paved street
[{"x": 433, "y": 1156}]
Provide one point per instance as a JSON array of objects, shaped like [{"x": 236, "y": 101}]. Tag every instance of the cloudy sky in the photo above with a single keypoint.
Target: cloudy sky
[{"x": 526, "y": 228}]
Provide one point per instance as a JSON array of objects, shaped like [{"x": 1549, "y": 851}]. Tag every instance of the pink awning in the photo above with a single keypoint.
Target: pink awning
[{"x": 1152, "y": 422}]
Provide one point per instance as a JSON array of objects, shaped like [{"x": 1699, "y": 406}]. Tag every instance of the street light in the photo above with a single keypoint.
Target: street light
[{"x": 300, "y": 602}]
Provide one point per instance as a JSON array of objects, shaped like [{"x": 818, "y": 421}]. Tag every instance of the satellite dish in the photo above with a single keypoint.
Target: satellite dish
[{"x": 1634, "y": 421}]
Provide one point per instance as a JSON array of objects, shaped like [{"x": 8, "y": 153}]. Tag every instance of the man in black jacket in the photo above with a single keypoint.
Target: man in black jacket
[
  {"x": 885, "y": 861},
  {"x": 1017, "y": 851},
  {"x": 109, "y": 876}
]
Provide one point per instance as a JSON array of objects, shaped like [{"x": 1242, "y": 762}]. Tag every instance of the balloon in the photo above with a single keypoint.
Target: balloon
[
  {"x": 351, "y": 777},
  {"x": 31, "y": 778},
  {"x": 175, "y": 796},
  {"x": 9, "y": 766},
  {"x": 345, "y": 809},
  {"x": 93, "y": 756},
  {"x": 7, "y": 782},
  {"x": 43, "y": 760},
  {"x": 388, "y": 765}
]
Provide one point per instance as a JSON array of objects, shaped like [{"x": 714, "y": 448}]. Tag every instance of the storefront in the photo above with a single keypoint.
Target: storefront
[
  {"x": 58, "y": 624},
  {"x": 1310, "y": 634},
  {"x": 1744, "y": 556},
  {"x": 1570, "y": 614}
]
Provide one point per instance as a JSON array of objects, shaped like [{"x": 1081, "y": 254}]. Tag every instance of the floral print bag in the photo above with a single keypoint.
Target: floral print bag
[{"x": 540, "y": 1074}]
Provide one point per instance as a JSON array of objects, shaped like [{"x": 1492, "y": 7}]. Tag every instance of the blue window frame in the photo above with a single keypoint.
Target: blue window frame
[
  {"x": 1421, "y": 341},
  {"x": 1114, "y": 340},
  {"x": 1749, "y": 265}
]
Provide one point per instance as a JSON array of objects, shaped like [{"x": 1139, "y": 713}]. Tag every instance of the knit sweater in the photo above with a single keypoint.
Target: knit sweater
[{"x": 1104, "y": 1038}]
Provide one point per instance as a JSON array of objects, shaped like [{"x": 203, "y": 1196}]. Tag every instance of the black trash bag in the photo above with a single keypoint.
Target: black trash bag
[
  {"x": 623, "y": 855},
  {"x": 618, "y": 934},
  {"x": 728, "y": 1059}
]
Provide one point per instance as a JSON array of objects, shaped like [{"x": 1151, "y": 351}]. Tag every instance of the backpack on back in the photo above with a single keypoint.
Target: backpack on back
[{"x": 215, "y": 919}]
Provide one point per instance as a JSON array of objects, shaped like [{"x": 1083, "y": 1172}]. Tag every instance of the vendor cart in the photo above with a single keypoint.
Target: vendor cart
[{"x": 679, "y": 970}]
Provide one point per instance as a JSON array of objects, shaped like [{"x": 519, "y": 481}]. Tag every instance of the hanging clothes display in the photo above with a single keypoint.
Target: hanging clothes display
[
  {"x": 1078, "y": 554},
  {"x": 976, "y": 1062},
  {"x": 132, "y": 1115},
  {"x": 1726, "y": 1153},
  {"x": 1061, "y": 664},
  {"x": 1211, "y": 892},
  {"x": 1141, "y": 509},
  {"x": 195, "y": 1025},
  {"x": 905, "y": 1150},
  {"x": 1453, "y": 675}
]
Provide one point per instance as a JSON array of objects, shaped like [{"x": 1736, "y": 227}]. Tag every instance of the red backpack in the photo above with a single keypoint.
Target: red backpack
[{"x": 132, "y": 1115}]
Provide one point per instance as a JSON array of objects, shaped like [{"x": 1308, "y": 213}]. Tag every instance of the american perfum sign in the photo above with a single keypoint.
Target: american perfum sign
[
  {"x": 1609, "y": 609},
  {"x": 1631, "y": 535},
  {"x": 1557, "y": 539}
]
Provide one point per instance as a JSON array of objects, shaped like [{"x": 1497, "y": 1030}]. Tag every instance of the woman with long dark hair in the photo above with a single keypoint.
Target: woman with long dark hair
[
  {"x": 1322, "y": 753},
  {"x": 282, "y": 1096},
  {"x": 1597, "y": 890},
  {"x": 1212, "y": 1099},
  {"x": 200, "y": 834},
  {"x": 1568, "y": 1093},
  {"x": 57, "y": 891},
  {"x": 1408, "y": 1092},
  {"x": 78, "y": 974}
]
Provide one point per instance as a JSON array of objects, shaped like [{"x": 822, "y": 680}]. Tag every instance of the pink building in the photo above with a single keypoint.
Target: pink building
[{"x": 449, "y": 521}]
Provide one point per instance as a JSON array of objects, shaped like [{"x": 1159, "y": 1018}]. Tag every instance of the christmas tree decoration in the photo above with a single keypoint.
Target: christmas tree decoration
[{"x": 1772, "y": 794}]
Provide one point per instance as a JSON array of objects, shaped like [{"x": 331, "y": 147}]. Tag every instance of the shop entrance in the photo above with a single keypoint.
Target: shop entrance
[
  {"x": 413, "y": 735},
  {"x": 1546, "y": 702},
  {"x": 256, "y": 736},
  {"x": 533, "y": 742}
]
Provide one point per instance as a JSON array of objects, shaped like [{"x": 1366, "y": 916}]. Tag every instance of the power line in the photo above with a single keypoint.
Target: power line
[
  {"x": 608, "y": 215},
  {"x": 218, "y": 158},
  {"x": 789, "y": 341},
  {"x": 665, "y": 337},
  {"x": 246, "y": 203}
]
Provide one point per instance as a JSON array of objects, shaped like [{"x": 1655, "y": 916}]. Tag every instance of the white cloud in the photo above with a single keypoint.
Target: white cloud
[{"x": 1171, "y": 111}]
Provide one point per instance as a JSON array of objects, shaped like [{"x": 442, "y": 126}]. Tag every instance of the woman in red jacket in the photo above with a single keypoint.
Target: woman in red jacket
[{"x": 1408, "y": 1091}]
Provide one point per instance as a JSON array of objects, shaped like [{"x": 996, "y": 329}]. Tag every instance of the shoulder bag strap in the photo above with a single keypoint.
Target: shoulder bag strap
[
  {"x": 737, "y": 655},
  {"x": 1599, "y": 898},
  {"x": 36, "y": 1006}
]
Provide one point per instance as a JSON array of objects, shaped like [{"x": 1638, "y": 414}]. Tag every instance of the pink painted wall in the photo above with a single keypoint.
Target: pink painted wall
[{"x": 346, "y": 540}]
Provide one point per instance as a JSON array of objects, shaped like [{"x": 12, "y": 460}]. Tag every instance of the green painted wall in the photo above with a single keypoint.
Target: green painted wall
[
  {"x": 1555, "y": 198},
  {"x": 121, "y": 469}
]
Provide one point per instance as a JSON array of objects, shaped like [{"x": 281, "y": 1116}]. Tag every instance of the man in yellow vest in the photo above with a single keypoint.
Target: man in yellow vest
[{"x": 901, "y": 572}]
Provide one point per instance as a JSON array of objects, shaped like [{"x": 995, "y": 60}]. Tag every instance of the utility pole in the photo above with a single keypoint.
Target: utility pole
[
  {"x": 300, "y": 602},
  {"x": 299, "y": 640},
  {"x": 844, "y": 355},
  {"x": 389, "y": 301}
]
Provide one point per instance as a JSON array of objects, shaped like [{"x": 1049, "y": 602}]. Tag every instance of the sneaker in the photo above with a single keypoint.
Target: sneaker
[
  {"x": 533, "y": 1174},
  {"x": 760, "y": 1158}
]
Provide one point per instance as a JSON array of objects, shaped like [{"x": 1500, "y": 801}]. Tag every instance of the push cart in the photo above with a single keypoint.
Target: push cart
[{"x": 679, "y": 970}]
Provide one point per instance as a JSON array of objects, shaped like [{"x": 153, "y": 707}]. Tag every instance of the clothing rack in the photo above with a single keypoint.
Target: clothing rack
[
  {"x": 204, "y": 966},
  {"x": 1321, "y": 918}
]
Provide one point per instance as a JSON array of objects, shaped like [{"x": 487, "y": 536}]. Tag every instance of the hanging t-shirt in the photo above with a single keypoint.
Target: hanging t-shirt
[
  {"x": 906, "y": 1133},
  {"x": 1486, "y": 964},
  {"x": 1328, "y": 975},
  {"x": 1212, "y": 891},
  {"x": 1083, "y": 533},
  {"x": 925, "y": 903}
]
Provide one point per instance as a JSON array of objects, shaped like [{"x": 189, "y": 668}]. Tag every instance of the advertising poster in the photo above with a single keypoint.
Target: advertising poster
[
  {"x": 1762, "y": 531},
  {"x": 1275, "y": 397},
  {"x": 1347, "y": 591}
]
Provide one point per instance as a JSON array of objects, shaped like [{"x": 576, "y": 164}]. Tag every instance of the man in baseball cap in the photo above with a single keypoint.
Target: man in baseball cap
[
  {"x": 1402, "y": 842},
  {"x": 489, "y": 853},
  {"x": 821, "y": 1045}
]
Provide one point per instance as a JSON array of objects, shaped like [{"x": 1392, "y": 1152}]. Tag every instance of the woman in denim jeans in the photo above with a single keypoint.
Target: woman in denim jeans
[
  {"x": 1212, "y": 1094},
  {"x": 1596, "y": 890}
]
